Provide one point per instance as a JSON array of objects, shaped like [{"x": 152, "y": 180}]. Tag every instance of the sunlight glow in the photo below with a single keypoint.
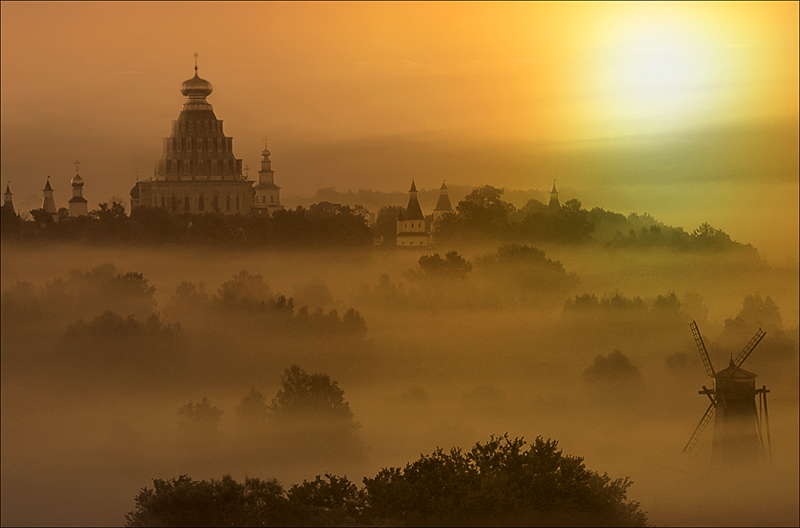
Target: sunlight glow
[{"x": 656, "y": 72}]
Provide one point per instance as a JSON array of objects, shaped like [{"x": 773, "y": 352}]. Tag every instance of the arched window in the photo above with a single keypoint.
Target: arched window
[
  {"x": 210, "y": 145},
  {"x": 186, "y": 167},
  {"x": 219, "y": 145},
  {"x": 199, "y": 145},
  {"x": 263, "y": 199},
  {"x": 226, "y": 167},
  {"x": 186, "y": 205},
  {"x": 271, "y": 198},
  {"x": 206, "y": 124},
  {"x": 215, "y": 203},
  {"x": 200, "y": 167},
  {"x": 183, "y": 126},
  {"x": 189, "y": 143},
  {"x": 175, "y": 167},
  {"x": 179, "y": 142},
  {"x": 201, "y": 203},
  {"x": 213, "y": 167},
  {"x": 228, "y": 203},
  {"x": 190, "y": 125}
]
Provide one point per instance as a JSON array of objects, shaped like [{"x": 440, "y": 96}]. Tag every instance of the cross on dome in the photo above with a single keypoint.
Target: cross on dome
[{"x": 76, "y": 163}]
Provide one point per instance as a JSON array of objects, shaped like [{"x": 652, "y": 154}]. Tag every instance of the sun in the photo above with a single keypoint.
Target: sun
[{"x": 651, "y": 73}]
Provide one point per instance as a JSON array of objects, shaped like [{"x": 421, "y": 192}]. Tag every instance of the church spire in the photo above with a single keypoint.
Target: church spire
[{"x": 554, "y": 205}]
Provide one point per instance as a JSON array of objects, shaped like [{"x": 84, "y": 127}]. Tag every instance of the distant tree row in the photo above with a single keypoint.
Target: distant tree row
[
  {"x": 245, "y": 297},
  {"x": 514, "y": 274},
  {"x": 483, "y": 214},
  {"x": 323, "y": 223},
  {"x": 496, "y": 483}
]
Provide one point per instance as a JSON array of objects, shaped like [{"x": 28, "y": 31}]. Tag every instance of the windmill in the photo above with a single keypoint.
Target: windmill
[{"x": 737, "y": 428}]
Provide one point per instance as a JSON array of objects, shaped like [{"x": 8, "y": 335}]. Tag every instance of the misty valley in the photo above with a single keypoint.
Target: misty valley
[{"x": 302, "y": 375}]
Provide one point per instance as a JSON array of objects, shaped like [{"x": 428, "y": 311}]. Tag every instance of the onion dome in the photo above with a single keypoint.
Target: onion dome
[
  {"x": 196, "y": 86},
  {"x": 77, "y": 181}
]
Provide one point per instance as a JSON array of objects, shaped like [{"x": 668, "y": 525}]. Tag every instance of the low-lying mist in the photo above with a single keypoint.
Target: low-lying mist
[{"x": 124, "y": 365}]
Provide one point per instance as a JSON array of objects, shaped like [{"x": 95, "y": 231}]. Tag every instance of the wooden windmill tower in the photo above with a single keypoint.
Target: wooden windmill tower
[{"x": 737, "y": 428}]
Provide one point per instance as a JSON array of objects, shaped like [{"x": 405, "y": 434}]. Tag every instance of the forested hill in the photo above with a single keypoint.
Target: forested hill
[{"x": 484, "y": 214}]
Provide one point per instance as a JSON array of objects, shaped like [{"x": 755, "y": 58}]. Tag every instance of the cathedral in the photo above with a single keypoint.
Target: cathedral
[{"x": 198, "y": 172}]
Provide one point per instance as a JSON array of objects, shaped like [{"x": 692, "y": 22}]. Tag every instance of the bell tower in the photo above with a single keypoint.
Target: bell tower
[{"x": 268, "y": 195}]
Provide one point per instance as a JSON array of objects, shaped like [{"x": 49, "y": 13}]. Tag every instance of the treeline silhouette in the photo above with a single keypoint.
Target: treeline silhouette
[
  {"x": 323, "y": 223},
  {"x": 514, "y": 275},
  {"x": 481, "y": 215},
  {"x": 108, "y": 322},
  {"x": 499, "y": 482}
]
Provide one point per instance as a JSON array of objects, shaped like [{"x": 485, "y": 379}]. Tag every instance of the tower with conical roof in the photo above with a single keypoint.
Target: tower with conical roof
[
  {"x": 198, "y": 171},
  {"x": 48, "y": 203},
  {"x": 443, "y": 205},
  {"x": 554, "y": 205},
  {"x": 8, "y": 205},
  {"x": 77, "y": 204},
  {"x": 268, "y": 195},
  {"x": 411, "y": 225}
]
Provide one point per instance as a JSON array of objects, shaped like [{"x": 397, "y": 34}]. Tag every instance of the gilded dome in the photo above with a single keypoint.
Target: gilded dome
[
  {"x": 196, "y": 86},
  {"x": 77, "y": 181}
]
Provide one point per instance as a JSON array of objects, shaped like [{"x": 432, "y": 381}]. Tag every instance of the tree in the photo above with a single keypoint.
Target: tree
[
  {"x": 109, "y": 215},
  {"x": 452, "y": 265},
  {"x": 253, "y": 409},
  {"x": 386, "y": 224},
  {"x": 42, "y": 217},
  {"x": 482, "y": 211},
  {"x": 495, "y": 483},
  {"x": 185, "y": 502},
  {"x": 499, "y": 482},
  {"x": 571, "y": 223},
  {"x": 305, "y": 396},
  {"x": 616, "y": 369},
  {"x": 333, "y": 493},
  {"x": 199, "y": 418}
]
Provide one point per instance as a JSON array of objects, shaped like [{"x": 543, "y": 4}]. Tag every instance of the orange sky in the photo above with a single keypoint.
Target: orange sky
[{"x": 387, "y": 90}]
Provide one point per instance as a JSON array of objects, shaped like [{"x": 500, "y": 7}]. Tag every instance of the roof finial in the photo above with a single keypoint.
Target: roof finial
[
  {"x": 246, "y": 171},
  {"x": 195, "y": 63},
  {"x": 136, "y": 172},
  {"x": 76, "y": 163},
  {"x": 265, "y": 142}
]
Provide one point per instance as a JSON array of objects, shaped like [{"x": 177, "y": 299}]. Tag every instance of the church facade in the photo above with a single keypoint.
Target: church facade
[
  {"x": 412, "y": 229},
  {"x": 198, "y": 171}
]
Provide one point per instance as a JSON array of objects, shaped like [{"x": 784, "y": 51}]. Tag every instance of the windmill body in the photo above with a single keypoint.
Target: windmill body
[
  {"x": 738, "y": 425},
  {"x": 736, "y": 435}
]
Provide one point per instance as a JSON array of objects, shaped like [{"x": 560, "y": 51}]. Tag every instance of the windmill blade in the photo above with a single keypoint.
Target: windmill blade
[
  {"x": 749, "y": 348},
  {"x": 700, "y": 427},
  {"x": 698, "y": 339}
]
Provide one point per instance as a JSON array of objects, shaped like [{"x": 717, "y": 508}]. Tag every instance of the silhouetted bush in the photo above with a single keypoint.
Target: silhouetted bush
[
  {"x": 496, "y": 483},
  {"x": 615, "y": 368}
]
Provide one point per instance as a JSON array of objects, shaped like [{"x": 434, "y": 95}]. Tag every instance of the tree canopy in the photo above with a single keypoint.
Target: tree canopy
[{"x": 495, "y": 483}]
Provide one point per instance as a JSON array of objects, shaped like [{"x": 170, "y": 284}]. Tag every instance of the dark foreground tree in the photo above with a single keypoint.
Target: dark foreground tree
[
  {"x": 496, "y": 483},
  {"x": 500, "y": 482}
]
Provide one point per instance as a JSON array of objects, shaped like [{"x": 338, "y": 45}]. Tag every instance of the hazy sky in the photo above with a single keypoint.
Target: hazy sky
[{"x": 361, "y": 95}]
